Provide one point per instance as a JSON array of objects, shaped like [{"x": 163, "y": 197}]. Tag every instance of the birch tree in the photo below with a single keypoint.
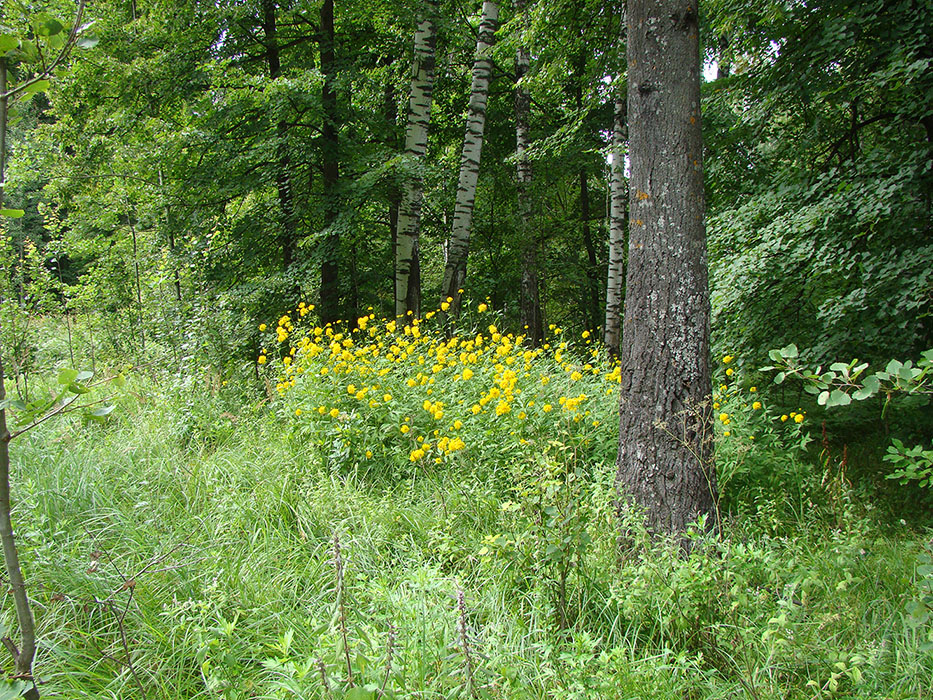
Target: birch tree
[
  {"x": 617, "y": 225},
  {"x": 664, "y": 463},
  {"x": 407, "y": 263},
  {"x": 459, "y": 242}
]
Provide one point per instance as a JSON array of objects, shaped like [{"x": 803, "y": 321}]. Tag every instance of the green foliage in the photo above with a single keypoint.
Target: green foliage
[{"x": 844, "y": 383}]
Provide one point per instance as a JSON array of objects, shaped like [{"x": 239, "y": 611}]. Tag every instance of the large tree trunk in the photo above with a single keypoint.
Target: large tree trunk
[
  {"x": 459, "y": 244},
  {"x": 531, "y": 318},
  {"x": 618, "y": 223},
  {"x": 287, "y": 236},
  {"x": 665, "y": 462},
  {"x": 407, "y": 264},
  {"x": 330, "y": 251}
]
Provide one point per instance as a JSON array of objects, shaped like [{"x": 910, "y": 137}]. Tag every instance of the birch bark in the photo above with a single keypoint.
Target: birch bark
[
  {"x": 459, "y": 243},
  {"x": 617, "y": 224},
  {"x": 407, "y": 262}
]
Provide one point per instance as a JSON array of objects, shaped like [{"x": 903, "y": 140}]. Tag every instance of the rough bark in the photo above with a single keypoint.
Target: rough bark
[
  {"x": 618, "y": 223},
  {"x": 330, "y": 170},
  {"x": 530, "y": 302},
  {"x": 459, "y": 244},
  {"x": 288, "y": 234},
  {"x": 407, "y": 264},
  {"x": 665, "y": 449}
]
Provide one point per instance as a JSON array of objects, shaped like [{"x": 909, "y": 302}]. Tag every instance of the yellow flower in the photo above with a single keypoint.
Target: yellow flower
[
  {"x": 297, "y": 411},
  {"x": 404, "y": 429},
  {"x": 476, "y": 408},
  {"x": 369, "y": 454},
  {"x": 756, "y": 405},
  {"x": 753, "y": 389},
  {"x": 387, "y": 397},
  {"x": 351, "y": 389},
  {"x": 723, "y": 417},
  {"x": 481, "y": 308},
  {"x": 261, "y": 359},
  {"x": 730, "y": 372},
  {"x": 334, "y": 413},
  {"x": 784, "y": 418},
  {"x": 502, "y": 408},
  {"x": 726, "y": 434},
  {"x": 262, "y": 326},
  {"x": 575, "y": 376},
  {"x": 458, "y": 424},
  {"x": 416, "y": 455},
  {"x": 467, "y": 373},
  {"x": 547, "y": 408},
  {"x": 444, "y": 306},
  {"x": 585, "y": 334},
  {"x": 727, "y": 359},
  {"x": 798, "y": 418}
]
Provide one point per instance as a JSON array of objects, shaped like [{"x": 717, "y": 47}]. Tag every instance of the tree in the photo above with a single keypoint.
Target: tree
[
  {"x": 407, "y": 263},
  {"x": 330, "y": 247},
  {"x": 618, "y": 223},
  {"x": 48, "y": 36},
  {"x": 665, "y": 451},
  {"x": 459, "y": 245},
  {"x": 532, "y": 320}
]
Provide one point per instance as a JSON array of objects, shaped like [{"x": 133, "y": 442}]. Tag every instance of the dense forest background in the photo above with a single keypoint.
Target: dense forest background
[{"x": 196, "y": 190}]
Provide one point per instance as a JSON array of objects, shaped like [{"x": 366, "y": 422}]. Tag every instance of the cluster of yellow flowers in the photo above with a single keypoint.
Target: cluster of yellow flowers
[
  {"x": 734, "y": 397},
  {"x": 410, "y": 373}
]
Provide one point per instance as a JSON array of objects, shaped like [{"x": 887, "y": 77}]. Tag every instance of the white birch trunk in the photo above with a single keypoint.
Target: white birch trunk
[
  {"x": 407, "y": 264},
  {"x": 459, "y": 245},
  {"x": 617, "y": 224}
]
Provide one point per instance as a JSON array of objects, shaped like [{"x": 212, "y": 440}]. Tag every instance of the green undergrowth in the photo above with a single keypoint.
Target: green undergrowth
[{"x": 194, "y": 548}]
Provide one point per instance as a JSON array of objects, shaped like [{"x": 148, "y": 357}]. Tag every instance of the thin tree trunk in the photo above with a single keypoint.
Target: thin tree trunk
[
  {"x": 22, "y": 658},
  {"x": 459, "y": 245},
  {"x": 618, "y": 223},
  {"x": 330, "y": 252},
  {"x": 665, "y": 463},
  {"x": 171, "y": 240},
  {"x": 288, "y": 234},
  {"x": 407, "y": 263},
  {"x": 390, "y": 112},
  {"x": 530, "y": 302},
  {"x": 592, "y": 271}
]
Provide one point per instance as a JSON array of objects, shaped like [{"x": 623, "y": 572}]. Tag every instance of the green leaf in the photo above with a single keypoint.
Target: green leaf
[
  {"x": 779, "y": 378},
  {"x": 84, "y": 375},
  {"x": 87, "y": 42},
  {"x": 823, "y": 398},
  {"x": 102, "y": 411},
  {"x": 839, "y": 398},
  {"x": 359, "y": 693},
  {"x": 13, "y": 689},
  {"x": 67, "y": 376},
  {"x": 8, "y": 42},
  {"x": 789, "y": 351},
  {"x": 119, "y": 381},
  {"x": 47, "y": 25},
  {"x": 37, "y": 87},
  {"x": 12, "y": 213}
]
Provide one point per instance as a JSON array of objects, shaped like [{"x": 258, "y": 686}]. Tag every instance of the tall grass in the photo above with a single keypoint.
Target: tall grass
[{"x": 186, "y": 549}]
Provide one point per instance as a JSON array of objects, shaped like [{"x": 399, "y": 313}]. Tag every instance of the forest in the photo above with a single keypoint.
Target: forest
[{"x": 466, "y": 349}]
